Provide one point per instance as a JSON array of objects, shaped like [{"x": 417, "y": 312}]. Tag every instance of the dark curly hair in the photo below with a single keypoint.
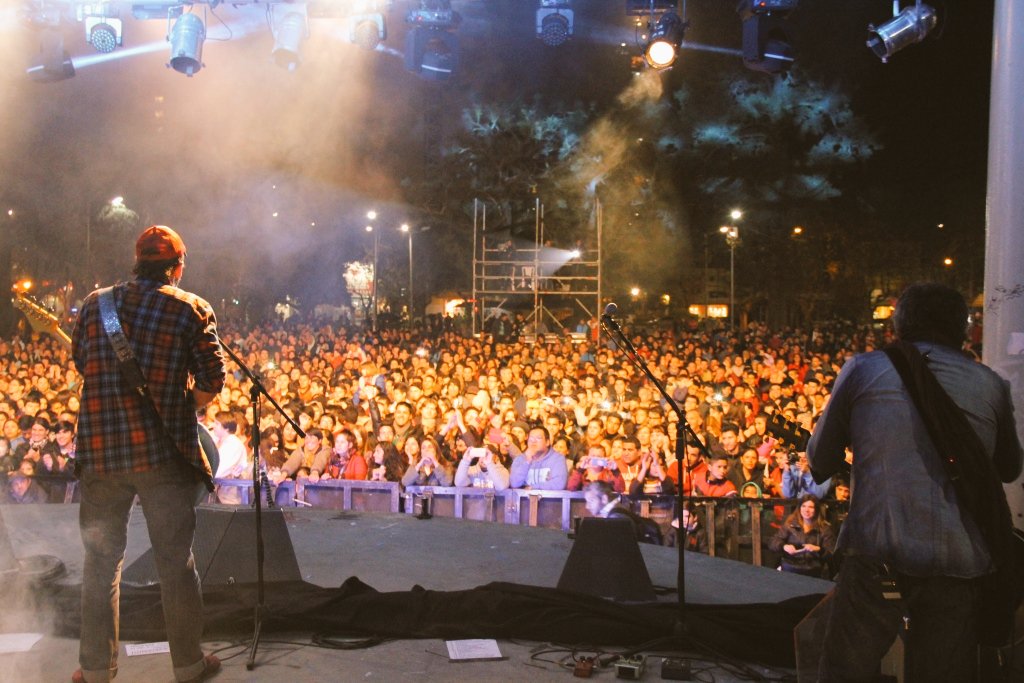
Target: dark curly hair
[{"x": 931, "y": 312}]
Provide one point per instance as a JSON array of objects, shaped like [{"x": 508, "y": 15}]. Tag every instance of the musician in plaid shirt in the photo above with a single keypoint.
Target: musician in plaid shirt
[{"x": 123, "y": 451}]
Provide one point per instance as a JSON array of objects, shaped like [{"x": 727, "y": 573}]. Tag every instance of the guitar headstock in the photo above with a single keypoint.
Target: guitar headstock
[{"x": 40, "y": 318}]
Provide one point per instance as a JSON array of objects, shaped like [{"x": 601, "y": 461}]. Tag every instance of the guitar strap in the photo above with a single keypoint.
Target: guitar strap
[
  {"x": 130, "y": 368},
  {"x": 978, "y": 489}
]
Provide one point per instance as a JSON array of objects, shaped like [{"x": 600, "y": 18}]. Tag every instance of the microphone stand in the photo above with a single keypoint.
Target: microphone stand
[
  {"x": 255, "y": 390},
  {"x": 684, "y": 436}
]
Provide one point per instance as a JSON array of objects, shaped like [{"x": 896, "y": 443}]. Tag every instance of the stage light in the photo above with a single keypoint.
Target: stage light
[
  {"x": 53, "y": 63},
  {"x": 435, "y": 14},
  {"x": 104, "y": 33},
  {"x": 289, "y": 28},
  {"x": 51, "y": 72},
  {"x": 103, "y": 38},
  {"x": 908, "y": 27},
  {"x": 367, "y": 30},
  {"x": 639, "y": 8},
  {"x": 666, "y": 36},
  {"x": 431, "y": 47},
  {"x": 186, "y": 40},
  {"x": 440, "y": 57},
  {"x": 555, "y": 22},
  {"x": 766, "y": 41}
]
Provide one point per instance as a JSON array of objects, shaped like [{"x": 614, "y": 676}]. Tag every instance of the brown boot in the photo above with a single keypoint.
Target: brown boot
[{"x": 211, "y": 667}]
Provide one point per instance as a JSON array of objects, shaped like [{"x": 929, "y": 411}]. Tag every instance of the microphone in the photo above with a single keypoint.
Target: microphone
[{"x": 610, "y": 310}]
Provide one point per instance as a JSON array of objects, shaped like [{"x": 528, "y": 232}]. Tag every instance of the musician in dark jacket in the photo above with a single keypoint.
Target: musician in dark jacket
[{"x": 906, "y": 525}]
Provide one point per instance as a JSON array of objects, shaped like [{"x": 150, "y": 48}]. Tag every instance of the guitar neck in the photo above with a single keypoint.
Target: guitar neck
[{"x": 41, "y": 319}]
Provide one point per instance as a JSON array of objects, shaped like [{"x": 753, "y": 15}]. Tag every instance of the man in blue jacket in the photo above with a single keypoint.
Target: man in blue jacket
[
  {"x": 539, "y": 466},
  {"x": 911, "y": 554}
]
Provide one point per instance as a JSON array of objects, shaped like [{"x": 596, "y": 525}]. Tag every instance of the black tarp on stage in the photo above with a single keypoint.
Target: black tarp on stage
[{"x": 761, "y": 633}]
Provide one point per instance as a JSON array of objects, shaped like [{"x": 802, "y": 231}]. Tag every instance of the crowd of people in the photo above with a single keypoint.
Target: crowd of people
[
  {"x": 707, "y": 413},
  {"x": 428, "y": 406}
]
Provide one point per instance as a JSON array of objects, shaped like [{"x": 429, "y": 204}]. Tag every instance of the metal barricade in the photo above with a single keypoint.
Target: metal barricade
[
  {"x": 480, "y": 504},
  {"x": 742, "y": 528},
  {"x": 549, "y": 509},
  {"x": 284, "y": 493},
  {"x": 350, "y": 494}
]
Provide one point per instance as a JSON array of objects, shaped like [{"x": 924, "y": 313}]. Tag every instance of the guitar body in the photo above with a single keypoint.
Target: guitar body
[{"x": 208, "y": 446}]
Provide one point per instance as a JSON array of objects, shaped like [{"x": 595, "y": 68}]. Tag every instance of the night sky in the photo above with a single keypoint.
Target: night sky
[{"x": 217, "y": 154}]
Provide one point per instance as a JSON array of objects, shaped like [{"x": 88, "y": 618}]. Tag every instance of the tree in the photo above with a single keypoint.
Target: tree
[
  {"x": 665, "y": 168},
  {"x": 790, "y": 152}
]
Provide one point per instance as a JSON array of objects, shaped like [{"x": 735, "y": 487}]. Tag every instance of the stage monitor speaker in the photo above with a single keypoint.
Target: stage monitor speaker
[
  {"x": 19, "y": 573},
  {"x": 8, "y": 563},
  {"x": 605, "y": 561},
  {"x": 809, "y": 637},
  {"x": 225, "y": 549}
]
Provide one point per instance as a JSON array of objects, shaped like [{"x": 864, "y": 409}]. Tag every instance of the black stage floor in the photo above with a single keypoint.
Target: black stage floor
[{"x": 392, "y": 554}]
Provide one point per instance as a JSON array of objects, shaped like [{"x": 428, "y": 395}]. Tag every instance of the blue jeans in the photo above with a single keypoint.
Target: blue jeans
[
  {"x": 167, "y": 495},
  {"x": 941, "y": 633}
]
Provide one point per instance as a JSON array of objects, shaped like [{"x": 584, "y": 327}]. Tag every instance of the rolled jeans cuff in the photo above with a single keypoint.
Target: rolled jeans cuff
[
  {"x": 186, "y": 673},
  {"x": 98, "y": 675}
]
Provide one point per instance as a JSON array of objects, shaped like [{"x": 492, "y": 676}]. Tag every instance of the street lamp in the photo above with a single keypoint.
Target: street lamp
[
  {"x": 376, "y": 245},
  {"x": 406, "y": 229},
  {"x": 732, "y": 238}
]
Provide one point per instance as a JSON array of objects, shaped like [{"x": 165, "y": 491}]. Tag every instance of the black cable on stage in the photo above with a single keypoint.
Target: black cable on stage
[{"x": 342, "y": 642}]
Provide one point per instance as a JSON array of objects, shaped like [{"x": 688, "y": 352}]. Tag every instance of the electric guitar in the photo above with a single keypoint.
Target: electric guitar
[{"x": 41, "y": 319}]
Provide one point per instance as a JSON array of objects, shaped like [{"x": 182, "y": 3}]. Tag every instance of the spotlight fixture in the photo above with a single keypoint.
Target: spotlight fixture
[
  {"x": 434, "y": 14},
  {"x": 53, "y": 63},
  {"x": 555, "y": 22},
  {"x": 910, "y": 26},
  {"x": 766, "y": 40},
  {"x": 666, "y": 37},
  {"x": 367, "y": 30},
  {"x": 104, "y": 33},
  {"x": 289, "y": 29},
  {"x": 440, "y": 54},
  {"x": 186, "y": 40},
  {"x": 431, "y": 46}
]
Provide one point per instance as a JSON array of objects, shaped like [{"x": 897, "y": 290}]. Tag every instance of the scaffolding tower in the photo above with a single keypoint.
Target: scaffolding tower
[{"x": 510, "y": 270}]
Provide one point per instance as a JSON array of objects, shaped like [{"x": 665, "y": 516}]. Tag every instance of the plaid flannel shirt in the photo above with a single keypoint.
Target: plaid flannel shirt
[{"x": 173, "y": 334}]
